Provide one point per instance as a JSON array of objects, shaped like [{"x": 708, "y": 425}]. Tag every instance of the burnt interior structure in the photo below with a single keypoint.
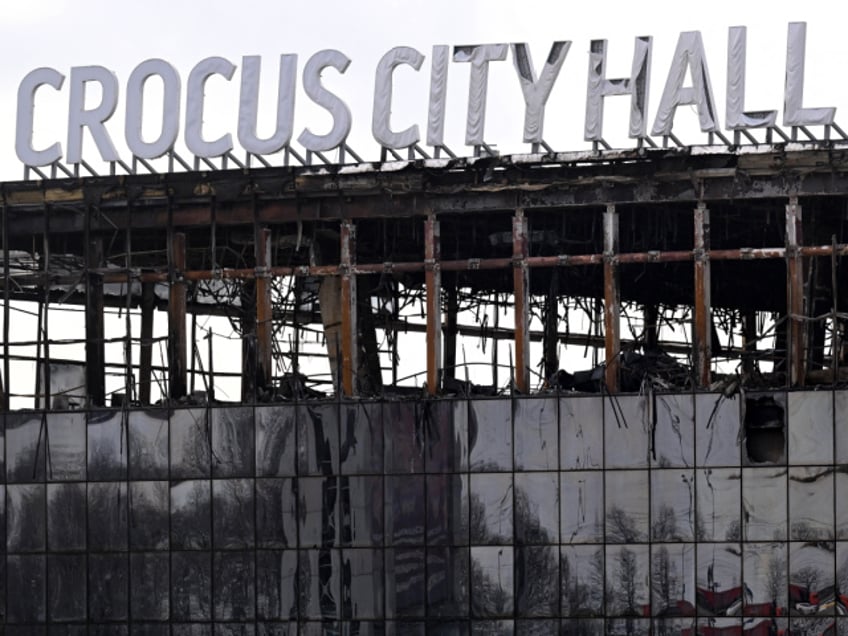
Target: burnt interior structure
[
  {"x": 736, "y": 252},
  {"x": 591, "y": 393}
]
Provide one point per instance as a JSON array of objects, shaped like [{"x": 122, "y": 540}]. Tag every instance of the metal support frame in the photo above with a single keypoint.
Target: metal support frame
[
  {"x": 612, "y": 293},
  {"x": 702, "y": 321},
  {"x": 433, "y": 287},
  {"x": 148, "y": 303},
  {"x": 95, "y": 347},
  {"x": 521, "y": 290},
  {"x": 795, "y": 308},
  {"x": 264, "y": 322},
  {"x": 177, "y": 340},
  {"x": 349, "y": 340}
]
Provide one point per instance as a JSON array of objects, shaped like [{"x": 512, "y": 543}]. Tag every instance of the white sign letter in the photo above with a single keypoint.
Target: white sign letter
[
  {"x": 321, "y": 96},
  {"x": 26, "y": 105},
  {"x": 689, "y": 54},
  {"x": 249, "y": 105},
  {"x": 381, "y": 116},
  {"x": 135, "y": 109},
  {"x": 438, "y": 96},
  {"x": 80, "y": 118},
  {"x": 194, "y": 108},
  {"x": 736, "y": 116},
  {"x": 636, "y": 86},
  {"x": 536, "y": 92},
  {"x": 793, "y": 113},
  {"x": 479, "y": 55}
]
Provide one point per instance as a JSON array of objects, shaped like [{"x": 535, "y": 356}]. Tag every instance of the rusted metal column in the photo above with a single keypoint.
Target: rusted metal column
[
  {"x": 349, "y": 344},
  {"x": 795, "y": 294},
  {"x": 146, "y": 353},
  {"x": 95, "y": 347},
  {"x": 433, "y": 285},
  {"x": 521, "y": 290},
  {"x": 612, "y": 315},
  {"x": 177, "y": 340},
  {"x": 264, "y": 324},
  {"x": 701, "y": 333}
]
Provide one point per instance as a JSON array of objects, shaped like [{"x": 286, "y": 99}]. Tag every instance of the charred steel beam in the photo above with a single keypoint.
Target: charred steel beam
[
  {"x": 451, "y": 328},
  {"x": 177, "y": 339},
  {"x": 701, "y": 334},
  {"x": 521, "y": 291},
  {"x": 433, "y": 288},
  {"x": 264, "y": 323},
  {"x": 349, "y": 344},
  {"x": 95, "y": 348},
  {"x": 148, "y": 303},
  {"x": 795, "y": 293},
  {"x": 612, "y": 317}
]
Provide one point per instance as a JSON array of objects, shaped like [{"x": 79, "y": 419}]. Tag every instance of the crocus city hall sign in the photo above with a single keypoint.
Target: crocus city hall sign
[{"x": 536, "y": 87}]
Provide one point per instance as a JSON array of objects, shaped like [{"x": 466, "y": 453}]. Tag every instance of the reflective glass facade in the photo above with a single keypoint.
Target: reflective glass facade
[{"x": 661, "y": 514}]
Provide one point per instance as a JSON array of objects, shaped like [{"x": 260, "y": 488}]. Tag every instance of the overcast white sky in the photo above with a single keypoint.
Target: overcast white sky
[{"x": 118, "y": 35}]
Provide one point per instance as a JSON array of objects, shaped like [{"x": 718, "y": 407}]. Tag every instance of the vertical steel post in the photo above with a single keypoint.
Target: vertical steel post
[
  {"x": 177, "y": 341},
  {"x": 612, "y": 309},
  {"x": 148, "y": 300},
  {"x": 349, "y": 344},
  {"x": 702, "y": 332},
  {"x": 521, "y": 290},
  {"x": 264, "y": 322},
  {"x": 433, "y": 285},
  {"x": 795, "y": 294},
  {"x": 95, "y": 346}
]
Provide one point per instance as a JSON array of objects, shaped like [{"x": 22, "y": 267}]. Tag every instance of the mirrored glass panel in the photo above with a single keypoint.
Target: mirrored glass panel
[
  {"x": 190, "y": 444},
  {"x": 150, "y": 584},
  {"x": 626, "y": 506},
  {"x": 582, "y": 576},
  {"x": 810, "y": 427},
  {"x": 719, "y": 501},
  {"x": 232, "y": 441},
  {"x": 627, "y": 431},
  {"x": 811, "y": 578},
  {"x": 674, "y": 432},
  {"x": 108, "y": 578},
  {"x": 581, "y": 433},
  {"x": 448, "y": 509},
  {"x": 491, "y": 514},
  {"x": 25, "y": 522},
  {"x": 582, "y": 509},
  {"x": 361, "y": 510},
  {"x": 490, "y": 435},
  {"x": 233, "y": 521},
  {"x": 537, "y": 581},
  {"x": 492, "y": 581},
  {"x": 191, "y": 515},
  {"x": 317, "y": 512},
  {"x": 841, "y": 479},
  {"x": 405, "y": 509},
  {"x": 628, "y": 574},
  {"x": 718, "y": 426},
  {"x": 66, "y": 587},
  {"x": 25, "y": 447},
  {"x": 276, "y": 584},
  {"x": 107, "y": 516},
  {"x": 536, "y": 434},
  {"x": 275, "y": 440},
  {"x": 719, "y": 579},
  {"x": 673, "y": 579},
  {"x": 447, "y": 436},
  {"x": 404, "y": 437},
  {"x": 149, "y": 515},
  {"x": 361, "y": 449},
  {"x": 233, "y": 588},
  {"x": 107, "y": 445},
  {"x": 537, "y": 508},
  {"x": 363, "y": 582},
  {"x": 764, "y": 497},
  {"x": 811, "y": 503},
  {"x": 318, "y": 439},
  {"x": 672, "y": 505},
  {"x": 66, "y": 448},
  {"x": 766, "y": 568},
  {"x": 276, "y": 513},
  {"x": 191, "y": 586},
  {"x": 148, "y": 440},
  {"x": 66, "y": 516},
  {"x": 405, "y": 582},
  {"x": 448, "y": 582}
]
